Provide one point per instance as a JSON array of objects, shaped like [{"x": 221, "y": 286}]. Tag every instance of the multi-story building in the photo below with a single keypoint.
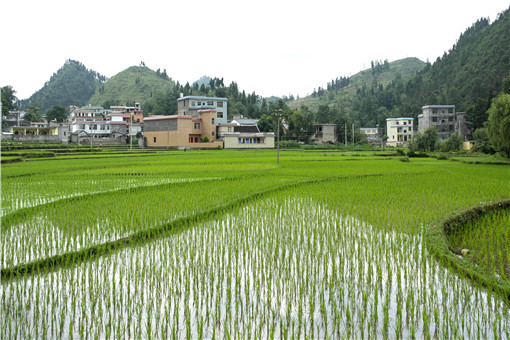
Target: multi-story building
[
  {"x": 372, "y": 135},
  {"x": 134, "y": 113},
  {"x": 182, "y": 131},
  {"x": 87, "y": 113},
  {"x": 440, "y": 116},
  {"x": 399, "y": 131},
  {"x": 189, "y": 106}
]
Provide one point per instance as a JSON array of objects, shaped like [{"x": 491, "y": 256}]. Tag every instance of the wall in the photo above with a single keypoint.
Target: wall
[
  {"x": 232, "y": 142},
  {"x": 36, "y": 138}
]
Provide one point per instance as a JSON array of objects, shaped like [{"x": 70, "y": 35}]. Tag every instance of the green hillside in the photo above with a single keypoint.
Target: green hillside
[
  {"x": 72, "y": 84},
  {"x": 381, "y": 74},
  {"x": 469, "y": 75},
  {"x": 135, "y": 84}
]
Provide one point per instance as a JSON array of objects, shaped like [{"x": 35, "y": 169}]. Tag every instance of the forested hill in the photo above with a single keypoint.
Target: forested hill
[
  {"x": 134, "y": 84},
  {"x": 72, "y": 84},
  {"x": 341, "y": 91},
  {"x": 469, "y": 75}
]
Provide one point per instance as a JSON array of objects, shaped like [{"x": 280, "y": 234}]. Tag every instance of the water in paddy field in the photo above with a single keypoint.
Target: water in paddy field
[{"x": 280, "y": 267}]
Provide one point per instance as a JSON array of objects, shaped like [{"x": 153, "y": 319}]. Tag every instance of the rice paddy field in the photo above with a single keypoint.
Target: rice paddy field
[{"x": 229, "y": 244}]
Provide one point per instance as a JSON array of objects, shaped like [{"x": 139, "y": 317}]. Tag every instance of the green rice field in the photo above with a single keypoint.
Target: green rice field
[{"x": 228, "y": 244}]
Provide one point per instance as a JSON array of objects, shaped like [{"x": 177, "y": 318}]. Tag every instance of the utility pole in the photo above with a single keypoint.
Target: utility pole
[
  {"x": 345, "y": 132},
  {"x": 130, "y": 132},
  {"x": 278, "y": 114}
]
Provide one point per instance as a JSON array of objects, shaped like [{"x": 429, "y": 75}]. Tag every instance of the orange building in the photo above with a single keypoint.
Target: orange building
[{"x": 182, "y": 131}]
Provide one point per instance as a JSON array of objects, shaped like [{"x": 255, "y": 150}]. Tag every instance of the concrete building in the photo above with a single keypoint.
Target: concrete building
[
  {"x": 235, "y": 135},
  {"x": 440, "y": 116},
  {"x": 36, "y": 129},
  {"x": 182, "y": 131},
  {"x": 461, "y": 126},
  {"x": 15, "y": 118},
  {"x": 324, "y": 133},
  {"x": 399, "y": 131},
  {"x": 189, "y": 106},
  {"x": 129, "y": 112},
  {"x": 86, "y": 113},
  {"x": 371, "y": 134}
]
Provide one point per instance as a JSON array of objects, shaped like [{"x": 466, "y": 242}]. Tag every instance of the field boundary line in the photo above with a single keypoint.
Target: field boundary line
[{"x": 437, "y": 244}]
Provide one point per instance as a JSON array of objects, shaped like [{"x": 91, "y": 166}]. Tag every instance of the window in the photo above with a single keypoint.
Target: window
[
  {"x": 451, "y": 127},
  {"x": 199, "y": 103},
  {"x": 410, "y": 123},
  {"x": 434, "y": 119},
  {"x": 212, "y": 133},
  {"x": 230, "y": 129},
  {"x": 191, "y": 139},
  {"x": 450, "y": 110},
  {"x": 197, "y": 126},
  {"x": 450, "y": 119},
  {"x": 193, "y": 104},
  {"x": 239, "y": 141},
  {"x": 196, "y": 139},
  {"x": 212, "y": 121},
  {"x": 210, "y": 103},
  {"x": 220, "y": 114},
  {"x": 219, "y": 104},
  {"x": 154, "y": 139}
]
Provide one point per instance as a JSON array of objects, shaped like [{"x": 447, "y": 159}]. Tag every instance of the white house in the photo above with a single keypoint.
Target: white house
[{"x": 399, "y": 131}]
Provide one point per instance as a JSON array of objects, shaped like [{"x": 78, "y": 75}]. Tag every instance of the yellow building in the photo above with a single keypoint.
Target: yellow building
[
  {"x": 35, "y": 129},
  {"x": 182, "y": 131}
]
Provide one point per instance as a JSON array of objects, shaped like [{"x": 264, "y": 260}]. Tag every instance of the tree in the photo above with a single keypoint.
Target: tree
[
  {"x": 430, "y": 138},
  {"x": 498, "y": 124},
  {"x": 8, "y": 100},
  {"x": 32, "y": 114},
  {"x": 482, "y": 143},
  {"x": 57, "y": 113},
  {"x": 454, "y": 143}
]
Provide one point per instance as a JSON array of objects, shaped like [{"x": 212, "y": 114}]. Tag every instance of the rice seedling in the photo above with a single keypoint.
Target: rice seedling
[{"x": 337, "y": 251}]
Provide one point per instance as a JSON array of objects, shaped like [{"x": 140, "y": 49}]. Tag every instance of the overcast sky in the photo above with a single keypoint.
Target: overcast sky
[{"x": 275, "y": 47}]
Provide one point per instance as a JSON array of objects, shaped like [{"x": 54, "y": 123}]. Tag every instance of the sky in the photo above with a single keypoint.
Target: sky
[{"x": 273, "y": 48}]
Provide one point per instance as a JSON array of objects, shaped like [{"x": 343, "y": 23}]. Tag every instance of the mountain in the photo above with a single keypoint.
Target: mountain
[
  {"x": 204, "y": 80},
  {"x": 135, "y": 84},
  {"x": 72, "y": 84},
  {"x": 341, "y": 91}
]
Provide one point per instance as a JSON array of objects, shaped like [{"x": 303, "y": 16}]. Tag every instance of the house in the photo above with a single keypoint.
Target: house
[
  {"x": 244, "y": 134},
  {"x": 36, "y": 129},
  {"x": 399, "y": 131},
  {"x": 190, "y": 105},
  {"x": 14, "y": 118},
  {"x": 129, "y": 113},
  {"x": 371, "y": 134},
  {"x": 86, "y": 113},
  {"x": 324, "y": 133},
  {"x": 182, "y": 131},
  {"x": 440, "y": 116}
]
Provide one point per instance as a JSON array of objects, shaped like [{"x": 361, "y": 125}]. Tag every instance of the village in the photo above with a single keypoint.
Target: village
[{"x": 201, "y": 123}]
